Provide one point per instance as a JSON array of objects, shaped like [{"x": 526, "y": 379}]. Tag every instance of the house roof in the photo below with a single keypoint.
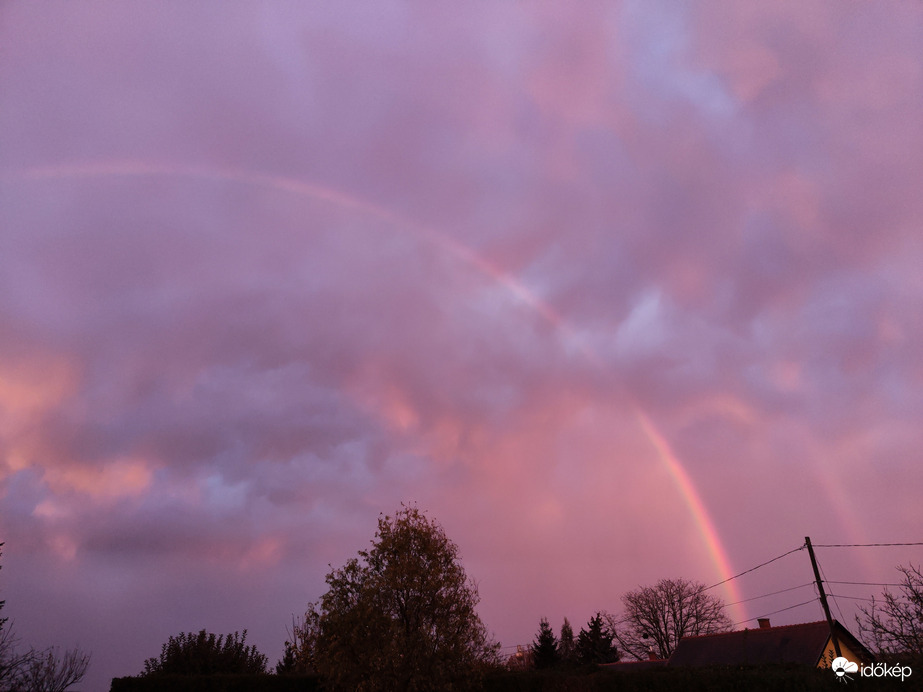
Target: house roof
[
  {"x": 632, "y": 666},
  {"x": 804, "y": 643}
]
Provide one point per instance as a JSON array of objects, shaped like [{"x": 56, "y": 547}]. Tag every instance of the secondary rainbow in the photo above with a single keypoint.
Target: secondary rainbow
[{"x": 128, "y": 168}]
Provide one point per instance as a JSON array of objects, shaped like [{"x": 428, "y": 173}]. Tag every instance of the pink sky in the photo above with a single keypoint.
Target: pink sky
[{"x": 616, "y": 293}]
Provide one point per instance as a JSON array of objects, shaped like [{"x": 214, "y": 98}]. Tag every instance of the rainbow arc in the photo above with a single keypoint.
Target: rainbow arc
[{"x": 297, "y": 187}]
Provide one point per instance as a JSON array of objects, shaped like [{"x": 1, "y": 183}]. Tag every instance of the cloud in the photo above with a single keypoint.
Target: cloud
[{"x": 266, "y": 272}]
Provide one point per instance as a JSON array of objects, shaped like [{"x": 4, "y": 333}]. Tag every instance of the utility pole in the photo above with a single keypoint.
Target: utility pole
[{"x": 823, "y": 596}]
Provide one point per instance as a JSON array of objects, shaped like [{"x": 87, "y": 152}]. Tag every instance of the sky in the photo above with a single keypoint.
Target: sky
[{"x": 615, "y": 292}]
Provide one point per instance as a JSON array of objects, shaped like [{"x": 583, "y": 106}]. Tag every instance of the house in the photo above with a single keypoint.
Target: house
[
  {"x": 808, "y": 643},
  {"x": 631, "y": 666}
]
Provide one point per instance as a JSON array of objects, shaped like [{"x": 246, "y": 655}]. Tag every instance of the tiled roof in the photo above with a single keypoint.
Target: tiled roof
[
  {"x": 634, "y": 665},
  {"x": 804, "y": 643}
]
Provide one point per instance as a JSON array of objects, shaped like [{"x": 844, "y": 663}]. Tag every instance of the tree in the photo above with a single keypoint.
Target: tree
[
  {"x": 206, "y": 654},
  {"x": 894, "y": 624},
  {"x": 401, "y": 616},
  {"x": 10, "y": 661},
  {"x": 545, "y": 647},
  {"x": 49, "y": 671},
  {"x": 298, "y": 656},
  {"x": 567, "y": 648},
  {"x": 656, "y": 617},
  {"x": 34, "y": 670},
  {"x": 594, "y": 644},
  {"x": 3, "y": 621}
]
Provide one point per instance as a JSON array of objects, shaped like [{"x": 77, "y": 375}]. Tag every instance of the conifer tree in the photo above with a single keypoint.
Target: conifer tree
[
  {"x": 545, "y": 647},
  {"x": 594, "y": 644},
  {"x": 567, "y": 648}
]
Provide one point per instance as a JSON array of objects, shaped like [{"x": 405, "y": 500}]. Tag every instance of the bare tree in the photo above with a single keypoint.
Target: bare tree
[
  {"x": 894, "y": 624},
  {"x": 656, "y": 617},
  {"x": 12, "y": 662},
  {"x": 37, "y": 671},
  {"x": 49, "y": 671}
]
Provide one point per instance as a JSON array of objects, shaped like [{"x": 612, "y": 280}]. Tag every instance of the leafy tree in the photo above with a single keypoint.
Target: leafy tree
[
  {"x": 656, "y": 617},
  {"x": 894, "y": 624},
  {"x": 401, "y": 616},
  {"x": 567, "y": 648},
  {"x": 298, "y": 656},
  {"x": 288, "y": 663},
  {"x": 594, "y": 644},
  {"x": 545, "y": 647},
  {"x": 206, "y": 654}
]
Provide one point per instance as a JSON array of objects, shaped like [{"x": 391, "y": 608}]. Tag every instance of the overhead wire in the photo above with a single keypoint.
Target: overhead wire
[
  {"x": 852, "y": 598},
  {"x": 781, "y": 610},
  {"x": 865, "y": 583},
  {"x": 835, "y": 603},
  {"x": 861, "y": 545},
  {"x": 816, "y": 593},
  {"x": 773, "y": 593},
  {"x": 753, "y": 569}
]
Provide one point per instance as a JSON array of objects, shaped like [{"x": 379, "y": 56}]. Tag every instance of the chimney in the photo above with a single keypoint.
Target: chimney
[
  {"x": 651, "y": 656},
  {"x": 764, "y": 623}
]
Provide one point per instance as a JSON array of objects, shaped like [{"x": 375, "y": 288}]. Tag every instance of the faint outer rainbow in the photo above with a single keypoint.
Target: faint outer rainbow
[{"x": 294, "y": 186}]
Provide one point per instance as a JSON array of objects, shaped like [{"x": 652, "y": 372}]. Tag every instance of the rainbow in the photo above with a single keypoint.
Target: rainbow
[
  {"x": 128, "y": 168},
  {"x": 697, "y": 508},
  {"x": 296, "y": 187}
]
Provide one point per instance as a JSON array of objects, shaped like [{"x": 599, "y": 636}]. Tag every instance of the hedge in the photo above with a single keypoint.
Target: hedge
[{"x": 218, "y": 683}]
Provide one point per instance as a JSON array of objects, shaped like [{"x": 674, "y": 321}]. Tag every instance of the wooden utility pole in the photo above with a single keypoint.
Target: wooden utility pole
[{"x": 823, "y": 596}]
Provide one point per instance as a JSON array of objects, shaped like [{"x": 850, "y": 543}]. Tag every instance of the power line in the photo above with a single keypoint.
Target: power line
[
  {"x": 838, "y": 609},
  {"x": 771, "y": 594},
  {"x": 781, "y": 610},
  {"x": 852, "y": 598},
  {"x": 860, "y": 545},
  {"x": 752, "y": 569},
  {"x": 864, "y": 583}
]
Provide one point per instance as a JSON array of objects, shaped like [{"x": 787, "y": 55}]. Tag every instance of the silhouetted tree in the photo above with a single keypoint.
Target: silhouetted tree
[
  {"x": 288, "y": 663},
  {"x": 298, "y": 656},
  {"x": 50, "y": 671},
  {"x": 545, "y": 647},
  {"x": 656, "y": 617},
  {"x": 37, "y": 670},
  {"x": 894, "y": 624},
  {"x": 594, "y": 644},
  {"x": 3, "y": 621},
  {"x": 10, "y": 660},
  {"x": 206, "y": 654},
  {"x": 567, "y": 648},
  {"x": 401, "y": 616}
]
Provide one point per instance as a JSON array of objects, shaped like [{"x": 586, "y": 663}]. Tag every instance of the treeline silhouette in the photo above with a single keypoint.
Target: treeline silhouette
[{"x": 401, "y": 616}]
